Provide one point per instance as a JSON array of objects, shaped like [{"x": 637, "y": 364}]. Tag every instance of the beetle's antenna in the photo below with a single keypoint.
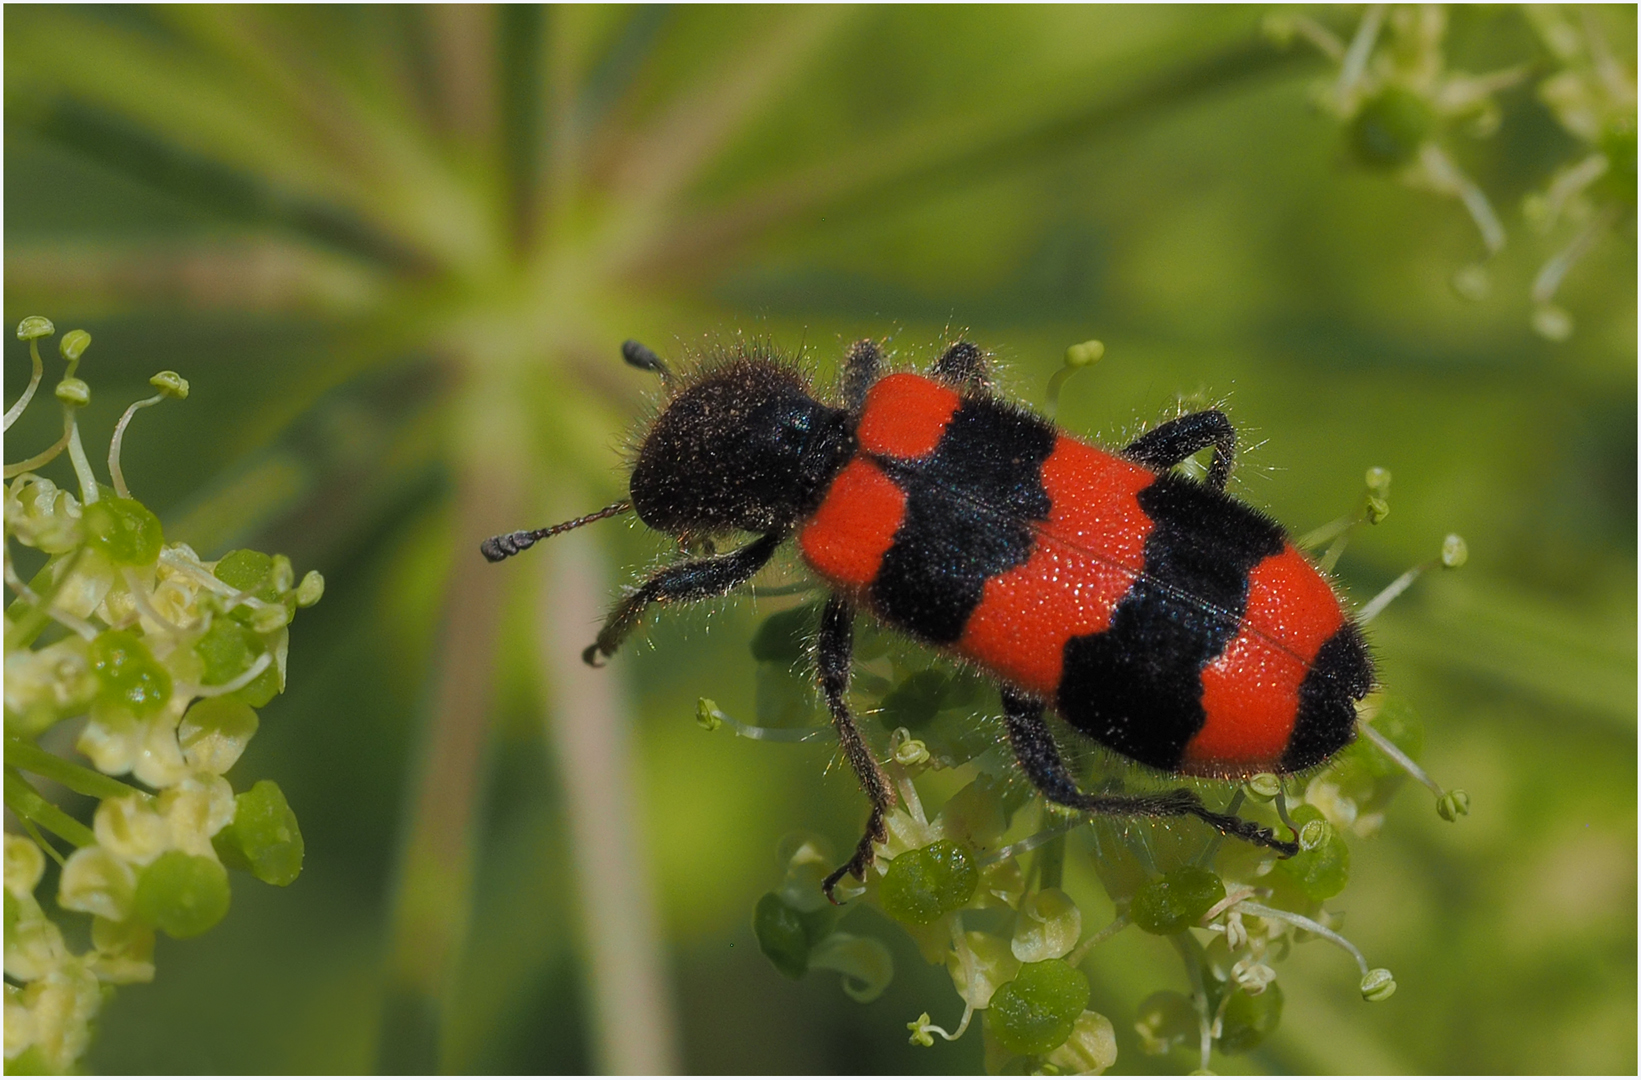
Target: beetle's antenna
[
  {"x": 500, "y": 547},
  {"x": 641, "y": 356}
]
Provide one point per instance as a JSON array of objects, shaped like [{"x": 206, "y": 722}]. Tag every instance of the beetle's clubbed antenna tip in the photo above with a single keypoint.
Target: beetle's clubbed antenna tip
[
  {"x": 500, "y": 547},
  {"x": 641, "y": 356}
]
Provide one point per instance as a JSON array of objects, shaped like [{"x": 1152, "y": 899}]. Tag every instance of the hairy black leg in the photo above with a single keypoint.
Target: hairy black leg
[
  {"x": 1168, "y": 444},
  {"x": 1035, "y": 750},
  {"x": 833, "y": 655},
  {"x": 962, "y": 365},
  {"x": 860, "y": 370},
  {"x": 693, "y": 580}
]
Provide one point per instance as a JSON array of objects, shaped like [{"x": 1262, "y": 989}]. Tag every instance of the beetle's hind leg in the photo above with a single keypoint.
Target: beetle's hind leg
[
  {"x": 833, "y": 657},
  {"x": 696, "y": 579},
  {"x": 1166, "y": 445},
  {"x": 1035, "y": 750},
  {"x": 963, "y": 365}
]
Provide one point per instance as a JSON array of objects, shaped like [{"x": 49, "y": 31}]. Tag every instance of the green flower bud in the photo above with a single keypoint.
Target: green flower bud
[
  {"x": 1322, "y": 867},
  {"x": 1165, "y": 1020},
  {"x": 75, "y": 393},
  {"x": 1377, "y": 509},
  {"x": 782, "y": 935},
  {"x": 1084, "y": 353},
  {"x": 245, "y": 570},
  {"x": 264, "y": 837},
  {"x": 214, "y": 732},
  {"x": 1378, "y": 480},
  {"x": 1176, "y": 901},
  {"x": 1378, "y": 984},
  {"x": 125, "y": 951},
  {"x": 1048, "y": 927},
  {"x": 98, "y": 882},
  {"x": 1037, "y": 1011},
  {"x": 127, "y": 672},
  {"x": 911, "y": 752},
  {"x": 25, "y": 863},
  {"x": 1091, "y": 1048},
  {"x": 227, "y": 650},
  {"x": 124, "y": 530},
  {"x": 184, "y": 895},
  {"x": 311, "y": 589},
  {"x": 922, "y": 885},
  {"x": 985, "y": 957},
  {"x": 865, "y": 964},
  {"x": 1264, "y": 787},
  {"x": 1455, "y": 552},
  {"x": 35, "y": 326},
  {"x": 706, "y": 714},
  {"x": 1391, "y": 127},
  {"x": 1453, "y": 804},
  {"x": 130, "y": 828},
  {"x": 74, "y": 344},
  {"x": 1248, "y": 1020},
  {"x": 170, "y": 384}
]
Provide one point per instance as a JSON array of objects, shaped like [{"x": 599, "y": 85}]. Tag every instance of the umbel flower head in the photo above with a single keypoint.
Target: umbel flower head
[{"x": 167, "y": 657}]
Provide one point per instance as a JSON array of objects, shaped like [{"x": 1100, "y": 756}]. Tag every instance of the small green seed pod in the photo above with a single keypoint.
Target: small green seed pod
[
  {"x": 1172, "y": 903},
  {"x": 184, "y": 895},
  {"x": 1037, "y": 1010},
  {"x": 1249, "y": 1019},
  {"x": 264, "y": 837},
  {"x": 920, "y": 886},
  {"x": 124, "y": 530},
  {"x": 127, "y": 673}
]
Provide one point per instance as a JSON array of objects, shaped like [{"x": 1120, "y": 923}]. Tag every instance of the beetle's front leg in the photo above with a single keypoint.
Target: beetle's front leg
[
  {"x": 833, "y": 657},
  {"x": 693, "y": 580}
]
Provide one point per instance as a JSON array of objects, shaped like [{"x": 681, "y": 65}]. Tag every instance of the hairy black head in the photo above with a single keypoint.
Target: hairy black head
[{"x": 746, "y": 447}]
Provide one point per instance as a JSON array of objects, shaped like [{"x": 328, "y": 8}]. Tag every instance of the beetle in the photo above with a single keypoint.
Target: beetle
[{"x": 1151, "y": 611}]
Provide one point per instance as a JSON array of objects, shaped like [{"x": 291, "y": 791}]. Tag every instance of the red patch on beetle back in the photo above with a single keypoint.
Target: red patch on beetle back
[
  {"x": 1250, "y": 692},
  {"x": 905, "y": 415},
  {"x": 1086, "y": 556},
  {"x": 846, "y": 538}
]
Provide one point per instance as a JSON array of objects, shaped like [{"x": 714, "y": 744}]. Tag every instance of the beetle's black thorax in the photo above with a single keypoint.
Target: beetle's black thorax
[{"x": 747, "y": 447}]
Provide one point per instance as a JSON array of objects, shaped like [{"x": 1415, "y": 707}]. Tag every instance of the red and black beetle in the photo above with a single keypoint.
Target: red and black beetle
[{"x": 1154, "y": 613}]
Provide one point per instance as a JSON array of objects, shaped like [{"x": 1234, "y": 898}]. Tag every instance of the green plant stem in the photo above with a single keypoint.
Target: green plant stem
[
  {"x": 22, "y": 754},
  {"x": 432, "y": 897},
  {"x": 30, "y": 805},
  {"x": 590, "y": 727}
]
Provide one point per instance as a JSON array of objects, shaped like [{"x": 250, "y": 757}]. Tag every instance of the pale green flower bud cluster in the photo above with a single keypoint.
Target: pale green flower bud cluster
[
  {"x": 1399, "y": 101},
  {"x": 977, "y": 884},
  {"x": 166, "y": 656}
]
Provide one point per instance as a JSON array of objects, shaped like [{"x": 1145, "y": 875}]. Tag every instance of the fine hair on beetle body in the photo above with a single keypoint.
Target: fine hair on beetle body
[{"x": 1156, "y": 615}]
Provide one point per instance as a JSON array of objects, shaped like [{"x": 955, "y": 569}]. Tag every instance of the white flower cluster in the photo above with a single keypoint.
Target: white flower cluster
[{"x": 166, "y": 656}]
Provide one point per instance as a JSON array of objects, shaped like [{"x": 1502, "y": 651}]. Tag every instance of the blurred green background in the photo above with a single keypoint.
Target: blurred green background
[{"x": 395, "y": 251}]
